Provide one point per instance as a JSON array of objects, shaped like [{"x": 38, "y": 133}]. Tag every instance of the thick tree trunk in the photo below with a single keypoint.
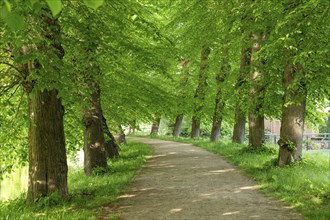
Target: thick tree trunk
[
  {"x": 47, "y": 155},
  {"x": 195, "y": 128},
  {"x": 199, "y": 95},
  {"x": 95, "y": 155},
  {"x": 239, "y": 126},
  {"x": 177, "y": 126},
  {"x": 293, "y": 117},
  {"x": 122, "y": 136},
  {"x": 256, "y": 130},
  {"x": 155, "y": 126},
  {"x": 256, "y": 117},
  {"x": 111, "y": 147},
  {"x": 216, "y": 128}
]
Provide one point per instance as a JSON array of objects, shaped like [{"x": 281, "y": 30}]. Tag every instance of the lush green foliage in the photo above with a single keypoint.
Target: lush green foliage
[
  {"x": 305, "y": 185},
  {"x": 87, "y": 194}
]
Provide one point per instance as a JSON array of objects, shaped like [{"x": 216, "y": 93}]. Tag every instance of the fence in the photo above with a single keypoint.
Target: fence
[{"x": 319, "y": 141}]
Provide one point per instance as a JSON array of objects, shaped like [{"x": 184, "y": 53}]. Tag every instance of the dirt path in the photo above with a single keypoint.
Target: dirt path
[{"x": 185, "y": 182}]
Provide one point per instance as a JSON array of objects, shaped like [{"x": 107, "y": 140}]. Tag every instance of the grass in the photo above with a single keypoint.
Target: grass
[
  {"x": 304, "y": 185},
  {"x": 87, "y": 194}
]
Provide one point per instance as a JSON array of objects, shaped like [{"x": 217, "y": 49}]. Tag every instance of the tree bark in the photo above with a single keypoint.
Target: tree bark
[
  {"x": 132, "y": 127},
  {"x": 95, "y": 155},
  {"x": 200, "y": 93},
  {"x": 216, "y": 129},
  {"x": 195, "y": 128},
  {"x": 111, "y": 147},
  {"x": 155, "y": 126},
  {"x": 256, "y": 130},
  {"x": 256, "y": 117},
  {"x": 240, "y": 116},
  {"x": 177, "y": 126},
  {"x": 47, "y": 155},
  {"x": 122, "y": 136},
  {"x": 293, "y": 116},
  {"x": 239, "y": 126},
  {"x": 219, "y": 101}
]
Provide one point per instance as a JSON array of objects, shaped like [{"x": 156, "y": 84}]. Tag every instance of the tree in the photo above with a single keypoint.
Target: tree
[{"x": 200, "y": 93}]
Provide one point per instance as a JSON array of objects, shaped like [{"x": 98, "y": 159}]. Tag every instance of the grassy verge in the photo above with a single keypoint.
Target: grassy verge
[
  {"x": 87, "y": 194},
  {"x": 305, "y": 185}
]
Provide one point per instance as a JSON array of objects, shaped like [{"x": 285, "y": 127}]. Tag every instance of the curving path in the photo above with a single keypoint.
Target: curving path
[{"x": 181, "y": 181}]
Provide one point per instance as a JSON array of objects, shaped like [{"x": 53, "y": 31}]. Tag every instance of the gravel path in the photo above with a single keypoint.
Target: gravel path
[{"x": 181, "y": 181}]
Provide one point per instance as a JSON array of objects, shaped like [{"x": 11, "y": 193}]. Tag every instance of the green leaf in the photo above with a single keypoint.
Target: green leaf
[
  {"x": 8, "y": 5},
  {"x": 14, "y": 21},
  {"x": 94, "y": 4},
  {"x": 55, "y": 6}
]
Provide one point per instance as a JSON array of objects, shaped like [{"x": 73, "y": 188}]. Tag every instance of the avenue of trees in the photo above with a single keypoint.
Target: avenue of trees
[{"x": 74, "y": 73}]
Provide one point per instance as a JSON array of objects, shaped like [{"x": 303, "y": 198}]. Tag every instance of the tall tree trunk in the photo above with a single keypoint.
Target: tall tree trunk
[
  {"x": 155, "y": 126},
  {"x": 177, "y": 126},
  {"x": 200, "y": 93},
  {"x": 293, "y": 116},
  {"x": 47, "y": 155},
  {"x": 111, "y": 147},
  {"x": 219, "y": 101},
  {"x": 95, "y": 155},
  {"x": 239, "y": 126},
  {"x": 122, "y": 136},
  {"x": 240, "y": 116},
  {"x": 256, "y": 117}
]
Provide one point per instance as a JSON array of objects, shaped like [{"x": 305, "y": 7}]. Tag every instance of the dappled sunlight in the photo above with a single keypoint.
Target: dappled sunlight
[
  {"x": 175, "y": 210},
  {"x": 127, "y": 196},
  {"x": 221, "y": 171},
  {"x": 172, "y": 153},
  {"x": 251, "y": 187},
  {"x": 254, "y": 216},
  {"x": 231, "y": 213}
]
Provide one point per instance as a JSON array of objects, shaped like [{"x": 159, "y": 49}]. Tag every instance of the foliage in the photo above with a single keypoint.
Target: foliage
[{"x": 87, "y": 194}]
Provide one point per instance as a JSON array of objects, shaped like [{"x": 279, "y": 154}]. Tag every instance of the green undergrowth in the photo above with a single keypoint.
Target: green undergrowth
[
  {"x": 87, "y": 194},
  {"x": 304, "y": 185}
]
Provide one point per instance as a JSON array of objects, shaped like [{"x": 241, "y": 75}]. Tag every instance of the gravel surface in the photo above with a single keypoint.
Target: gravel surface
[{"x": 182, "y": 181}]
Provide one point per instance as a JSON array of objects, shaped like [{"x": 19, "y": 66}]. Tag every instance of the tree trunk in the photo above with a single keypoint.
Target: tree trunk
[
  {"x": 216, "y": 128},
  {"x": 95, "y": 155},
  {"x": 122, "y": 136},
  {"x": 177, "y": 126},
  {"x": 240, "y": 117},
  {"x": 155, "y": 126},
  {"x": 256, "y": 130},
  {"x": 293, "y": 116},
  {"x": 199, "y": 95},
  {"x": 132, "y": 127},
  {"x": 195, "y": 128},
  {"x": 256, "y": 117},
  {"x": 219, "y": 101},
  {"x": 47, "y": 155},
  {"x": 111, "y": 147},
  {"x": 239, "y": 126}
]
